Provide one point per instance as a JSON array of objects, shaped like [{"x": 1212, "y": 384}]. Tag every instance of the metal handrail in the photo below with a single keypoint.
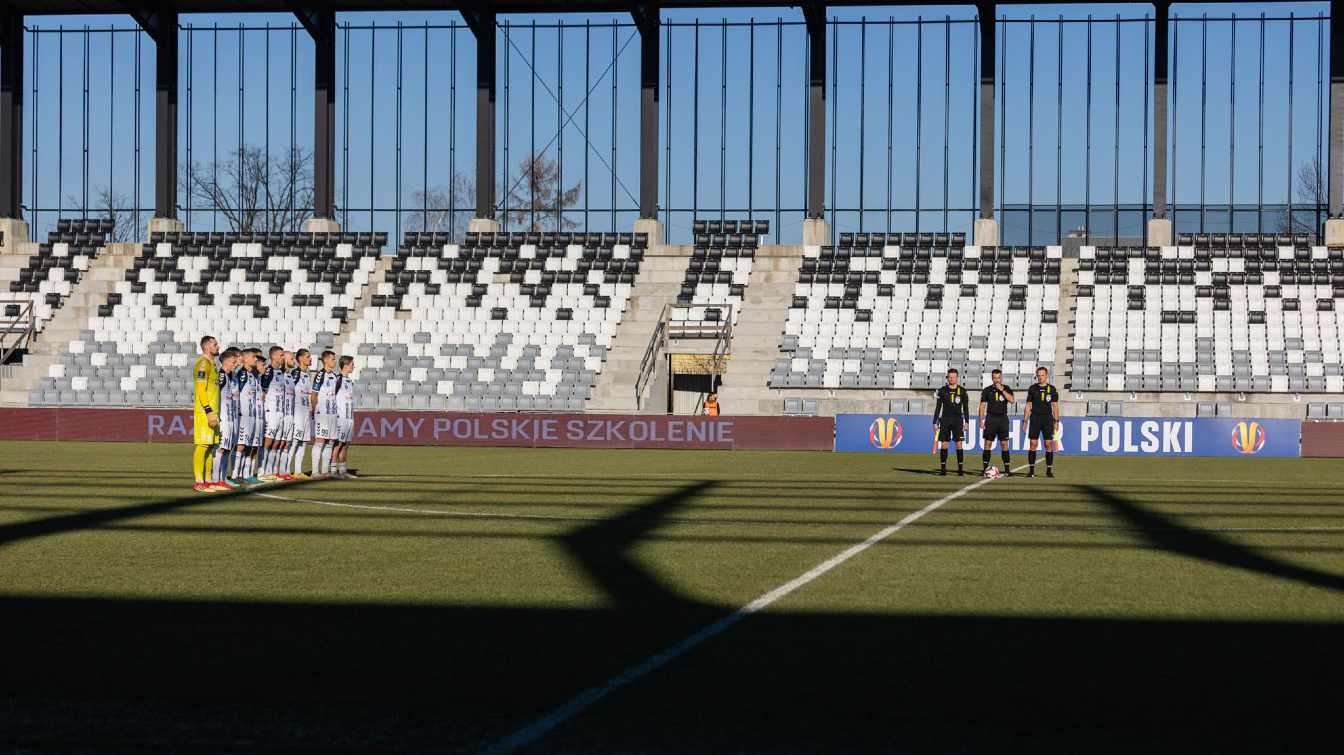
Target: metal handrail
[
  {"x": 649, "y": 362},
  {"x": 721, "y": 348},
  {"x": 17, "y": 331}
]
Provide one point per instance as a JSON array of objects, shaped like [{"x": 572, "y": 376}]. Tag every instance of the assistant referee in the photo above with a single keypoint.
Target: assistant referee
[
  {"x": 994, "y": 401},
  {"x": 951, "y": 412}
]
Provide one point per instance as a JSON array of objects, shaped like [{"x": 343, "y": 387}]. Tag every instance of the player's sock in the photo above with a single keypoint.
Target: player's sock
[
  {"x": 1031, "y": 458},
  {"x": 985, "y": 456},
  {"x": 299, "y": 449},
  {"x": 1007, "y": 458},
  {"x": 326, "y": 458},
  {"x": 235, "y": 464},
  {"x": 961, "y": 458},
  {"x": 942, "y": 458},
  {"x": 1049, "y": 459},
  {"x": 198, "y": 461},
  {"x": 317, "y": 458}
]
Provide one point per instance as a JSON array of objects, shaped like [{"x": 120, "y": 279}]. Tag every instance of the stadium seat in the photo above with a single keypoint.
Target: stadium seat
[
  {"x": 247, "y": 289},
  {"x": 502, "y": 321},
  {"x": 51, "y": 275},
  {"x": 720, "y": 268},
  {"x": 897, "y": 311},
  {"x": 1226, "y": 312}
]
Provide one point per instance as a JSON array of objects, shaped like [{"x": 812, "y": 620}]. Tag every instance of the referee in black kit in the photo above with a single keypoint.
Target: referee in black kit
[
  {"x": 1042, "y": 417},
  {"x": 951, "y": 412},
  {"x": 994, "y": 423}
]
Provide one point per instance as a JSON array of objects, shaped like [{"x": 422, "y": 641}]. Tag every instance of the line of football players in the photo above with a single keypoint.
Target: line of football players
[{"x": 272, "y": 407}]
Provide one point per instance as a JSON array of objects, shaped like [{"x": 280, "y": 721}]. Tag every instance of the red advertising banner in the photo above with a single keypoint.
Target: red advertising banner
[
  {"x": 1323, "y": 439},
  {"x": 455, "y": 429}
]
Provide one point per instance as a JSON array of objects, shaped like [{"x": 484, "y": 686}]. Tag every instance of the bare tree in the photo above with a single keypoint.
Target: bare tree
[
  {"x": 537, "y": 200},
  {"x": 116, "y": 207},
  {"x": 444, "y": 209},
  {"x": 254, "y": 190},
  {"x": 1312, "y": 194}
]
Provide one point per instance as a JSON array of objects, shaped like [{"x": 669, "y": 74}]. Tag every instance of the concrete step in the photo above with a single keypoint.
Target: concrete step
[
  {"x": 745, "y": 388},
  {"x": 657, "y": 285},
  {"x": 105, "y": 271}
]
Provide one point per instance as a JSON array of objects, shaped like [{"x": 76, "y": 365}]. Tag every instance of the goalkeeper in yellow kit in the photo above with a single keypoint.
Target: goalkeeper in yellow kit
[{"x": 205, "y": 406}]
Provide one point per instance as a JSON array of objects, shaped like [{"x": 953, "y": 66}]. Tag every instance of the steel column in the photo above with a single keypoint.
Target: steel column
[
  {"x": 11, "y": 114},
  {"x": 988, "y": 28},
  {"x": 320, "y": 22},
  {"x": 161, "y": 25},
  {"x": 1336, "y": 148},
  {"x": 815, "y": 13},
  {"x": 647, "y": 20},
  {"x": 482, "y": 24}
]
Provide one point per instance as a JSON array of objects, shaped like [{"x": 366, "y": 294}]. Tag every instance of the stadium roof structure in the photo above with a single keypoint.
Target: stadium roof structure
[
  {"x": 49, "y": 7},
  {"x": 159, "y": 19}
]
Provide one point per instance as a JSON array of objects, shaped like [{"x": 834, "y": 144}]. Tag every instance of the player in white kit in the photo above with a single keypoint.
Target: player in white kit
[
  {"x": 228, "y": 417},
  {"x": 272, "y": 385},
  {"x": 302, "y": 415},
  {"x": 345, "y": 416},
  {"x": 250, "y": 428},
  {"x": 323, "y": 397}
]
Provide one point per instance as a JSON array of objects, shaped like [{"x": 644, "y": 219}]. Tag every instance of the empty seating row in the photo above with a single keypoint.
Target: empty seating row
[
  {"x": 292, "y": 289},
  {"x": 501, "y": 322},
  {"x": 52, "y": 274},
  {"x": 871, "y": 326},
  {"x": 1220, "y": 316},
  {"x": 720, "y": 268}
]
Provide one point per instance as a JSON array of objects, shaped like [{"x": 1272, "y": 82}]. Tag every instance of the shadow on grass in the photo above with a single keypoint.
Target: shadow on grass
[
  {"x": 289, "y": 677},
  {"x": 1167, "y": 533}
]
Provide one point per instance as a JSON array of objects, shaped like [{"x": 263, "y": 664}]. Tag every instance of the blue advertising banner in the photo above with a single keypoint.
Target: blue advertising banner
[{"x": 1088, "y": 436}]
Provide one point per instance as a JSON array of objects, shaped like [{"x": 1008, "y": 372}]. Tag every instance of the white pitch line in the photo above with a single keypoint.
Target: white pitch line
[
  {"x": 428, "y": 512},
  {"x": 542, "y": 726}
]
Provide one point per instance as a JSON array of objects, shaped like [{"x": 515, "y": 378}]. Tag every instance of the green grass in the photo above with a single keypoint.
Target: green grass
[{"x": 1128, "y": 603}]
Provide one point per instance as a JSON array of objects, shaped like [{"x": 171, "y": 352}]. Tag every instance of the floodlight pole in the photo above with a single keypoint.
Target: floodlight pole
[
  {"x": 11, "y": 114},
  {"x": 481, "y": 20}
]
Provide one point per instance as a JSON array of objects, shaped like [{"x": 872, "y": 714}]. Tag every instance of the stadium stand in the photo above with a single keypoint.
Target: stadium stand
[
  {"x": 503, "y": 321},
  {"x": 1215, "y": 313},
  {"x": 236, "y": 286},
  {"x": 719, "y": 268},
  {"x": 898, "y": 311},
  {"x": 54, "y": 271}
]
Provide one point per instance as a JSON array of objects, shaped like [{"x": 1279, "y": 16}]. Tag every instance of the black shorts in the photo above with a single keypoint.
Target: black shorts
[
  {"x": 1041, "y": 426},
  {"x": 997, "y": 427},
  {"x": 951, "y": 430}
]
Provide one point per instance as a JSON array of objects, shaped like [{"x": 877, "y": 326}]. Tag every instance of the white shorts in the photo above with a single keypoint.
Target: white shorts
[
  {"x": 303, "y": 428},
  {"x": 275, "y": 425},
  {"x": 228, "y": 432},
  {"x": 324, "y": 426},
  {"x": 345, "y": 429},
  {"x": 248, "y": 431}
]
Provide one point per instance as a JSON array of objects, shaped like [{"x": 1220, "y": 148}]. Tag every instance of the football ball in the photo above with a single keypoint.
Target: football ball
[{"x": 992, "y": 473}]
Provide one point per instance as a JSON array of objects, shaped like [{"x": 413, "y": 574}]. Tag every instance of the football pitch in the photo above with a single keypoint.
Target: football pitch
[{"x": 586, "y": 601}]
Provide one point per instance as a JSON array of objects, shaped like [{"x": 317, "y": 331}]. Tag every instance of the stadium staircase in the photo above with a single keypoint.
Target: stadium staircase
[
  {"x": 755, "y": 348},
  {"x": 350, "y": 326},
  {"x": 657, "y": 286},
  {"x": 104, "y": 272}
]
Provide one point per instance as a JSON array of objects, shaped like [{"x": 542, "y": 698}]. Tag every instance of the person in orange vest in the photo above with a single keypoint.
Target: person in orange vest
[{"x": 712, "y": 405}]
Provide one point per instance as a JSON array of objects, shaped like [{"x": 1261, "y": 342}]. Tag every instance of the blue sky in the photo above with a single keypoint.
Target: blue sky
[{"x": 745, "y": 149}]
